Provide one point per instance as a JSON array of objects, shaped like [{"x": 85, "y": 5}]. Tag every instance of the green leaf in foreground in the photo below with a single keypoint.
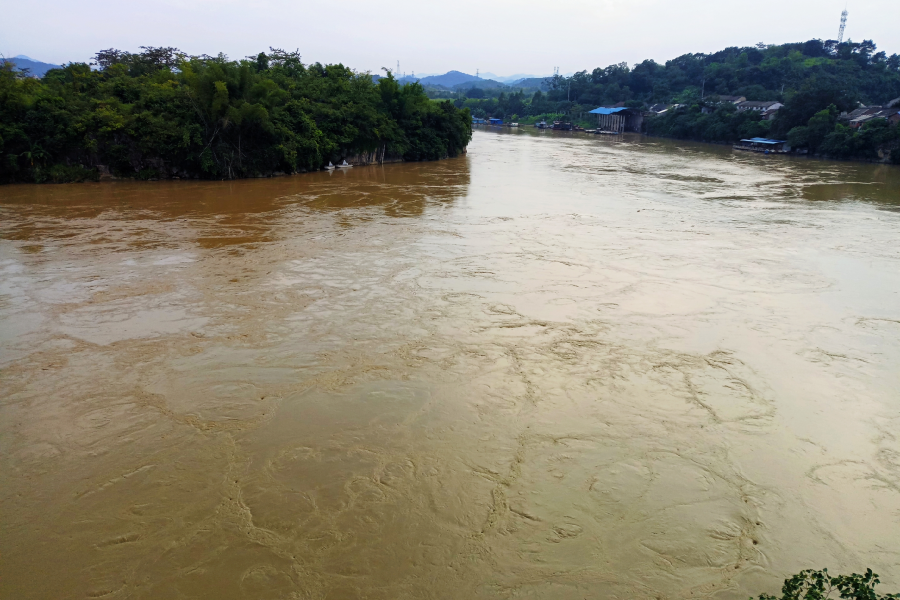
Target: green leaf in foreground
[{"x": 820, "y": 585}]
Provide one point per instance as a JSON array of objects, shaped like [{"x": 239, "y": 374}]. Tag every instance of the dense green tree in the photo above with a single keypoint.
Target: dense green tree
[
  {"x": 807, "y": 77},
  {"x": 162, "y": 113}
]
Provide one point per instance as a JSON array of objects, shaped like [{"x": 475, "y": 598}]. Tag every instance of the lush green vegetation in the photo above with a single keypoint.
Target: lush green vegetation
[
  {"x": 843, "y": 74},
  {"x": 807, "y": 77},
  {"x": 820, "y": 585},
  {"x": 160, "y": 113},
  {"x": 724, "y": 124}
]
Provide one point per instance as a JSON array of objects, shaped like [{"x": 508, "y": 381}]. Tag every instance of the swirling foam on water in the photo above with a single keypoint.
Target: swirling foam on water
[{"x": 559, "y": 367}]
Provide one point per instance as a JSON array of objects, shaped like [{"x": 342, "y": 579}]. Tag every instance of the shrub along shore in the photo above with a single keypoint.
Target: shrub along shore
[{"x": 160, "y": 113}]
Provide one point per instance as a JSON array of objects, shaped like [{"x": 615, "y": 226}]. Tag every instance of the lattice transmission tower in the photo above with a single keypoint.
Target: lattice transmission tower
[{"x": 843, "y": 25}]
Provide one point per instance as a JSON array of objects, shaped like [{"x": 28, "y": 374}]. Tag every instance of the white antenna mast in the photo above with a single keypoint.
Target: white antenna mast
[{"x": 843, "y": 25}]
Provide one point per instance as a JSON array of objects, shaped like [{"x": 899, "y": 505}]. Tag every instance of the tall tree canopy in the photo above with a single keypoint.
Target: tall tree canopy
[{"x": 160, "y": 112}]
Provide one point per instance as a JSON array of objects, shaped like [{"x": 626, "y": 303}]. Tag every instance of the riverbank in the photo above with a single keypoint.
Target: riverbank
[{"x": 892, "y": 157}]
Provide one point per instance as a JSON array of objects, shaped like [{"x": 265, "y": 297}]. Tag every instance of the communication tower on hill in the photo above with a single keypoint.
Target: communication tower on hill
[
  {"x": 843, "y": 25},
  {"x": 477, "y": 74}
]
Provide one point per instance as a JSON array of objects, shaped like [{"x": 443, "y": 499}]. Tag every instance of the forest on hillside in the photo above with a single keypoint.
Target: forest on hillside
[
  {"x": 816, "y": 78},
  {"x": 160, "y": 113}
]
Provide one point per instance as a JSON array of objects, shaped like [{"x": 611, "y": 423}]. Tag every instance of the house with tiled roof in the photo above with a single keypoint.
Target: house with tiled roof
[{"x": 759, "y": 105}]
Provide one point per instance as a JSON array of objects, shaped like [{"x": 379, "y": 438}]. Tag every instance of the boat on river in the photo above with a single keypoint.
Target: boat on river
[
  {"x": 329, "y": 166},
  {"x": 344, "y": 165}
]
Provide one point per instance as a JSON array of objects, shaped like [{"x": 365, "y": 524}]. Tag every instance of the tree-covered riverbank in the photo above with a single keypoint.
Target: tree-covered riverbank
[
  {"x": 161, "y": 113},
  {"x": 809, "y": 78}
]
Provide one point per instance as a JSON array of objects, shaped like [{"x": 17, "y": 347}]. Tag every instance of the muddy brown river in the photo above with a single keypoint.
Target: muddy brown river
[{"x": 559, "y": 367}]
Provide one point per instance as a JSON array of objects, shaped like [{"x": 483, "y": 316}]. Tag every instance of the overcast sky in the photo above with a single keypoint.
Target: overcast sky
[{"x": 502, "y": 37}]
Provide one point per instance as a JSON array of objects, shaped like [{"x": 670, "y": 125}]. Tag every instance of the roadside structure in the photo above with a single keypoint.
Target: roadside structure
[{"x": 618, "y": 119}]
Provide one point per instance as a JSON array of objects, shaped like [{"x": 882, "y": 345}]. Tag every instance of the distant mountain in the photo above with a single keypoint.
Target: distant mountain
[
  {"x": 449, "y": 79},
  {"x": 509, "y": 79},
  {"x": 530, "y": 82},
  {"x": 35, "y": 68},
  {"x": 457, "y": 80},
  {"x": 484, "y": 84}
]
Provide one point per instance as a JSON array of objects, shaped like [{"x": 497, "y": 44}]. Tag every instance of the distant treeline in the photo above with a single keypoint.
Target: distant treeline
[
  {"x": 161, "y": 113},
  {"x": 808, "y": 77}
]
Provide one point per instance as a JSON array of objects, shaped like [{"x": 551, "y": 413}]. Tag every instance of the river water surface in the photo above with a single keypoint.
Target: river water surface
[{"x": 559, "y": 367}]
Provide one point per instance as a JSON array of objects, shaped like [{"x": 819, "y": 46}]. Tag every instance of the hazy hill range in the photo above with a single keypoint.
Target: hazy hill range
[
  {"x": 448, "y": 80},
  {"x": 530, "y": 82},
  {"x": 509, "y": 79},
  {"x": 484, "y": 84},
  {"x": 35, "y": 67},
  {"x": 456, "y": 81}
]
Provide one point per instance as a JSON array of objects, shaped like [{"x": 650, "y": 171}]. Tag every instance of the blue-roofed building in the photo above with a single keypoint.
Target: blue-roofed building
[
  {"x": 618, "y": 119},
  {"x": 496, "y": 121},
  {"x": 766, "y": 145}
]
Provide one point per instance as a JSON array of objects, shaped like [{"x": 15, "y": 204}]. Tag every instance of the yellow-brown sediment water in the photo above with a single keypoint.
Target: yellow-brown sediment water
[{"x": 559, "y": 367}]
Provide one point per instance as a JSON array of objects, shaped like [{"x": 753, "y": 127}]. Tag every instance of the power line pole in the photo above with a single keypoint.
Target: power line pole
[{"x": 843, "y": 25}]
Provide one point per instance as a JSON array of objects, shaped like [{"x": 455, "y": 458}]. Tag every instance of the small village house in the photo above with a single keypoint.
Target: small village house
[
  {"x": 864, "y": 114},
  {"x": 726, "y": 99},
  {"x": 759, "y": 106}
]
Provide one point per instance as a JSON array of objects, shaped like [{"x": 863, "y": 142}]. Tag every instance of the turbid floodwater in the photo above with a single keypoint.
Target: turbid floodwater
[{"x": 559, "y": 367}]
